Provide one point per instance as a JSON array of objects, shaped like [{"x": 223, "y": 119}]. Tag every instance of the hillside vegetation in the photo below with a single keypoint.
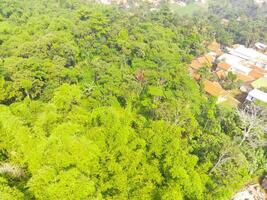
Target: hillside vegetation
[{"x": 97, "y": 103}]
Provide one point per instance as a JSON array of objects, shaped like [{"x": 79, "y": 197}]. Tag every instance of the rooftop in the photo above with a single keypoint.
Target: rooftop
[
  {"x": 196, "y": 76},
  {"x": 201, "y": 61},
  {"x": 214, "y": 46},
  {"x": 256, "y": 74},
  {"x": 260, "y": 83},
  {"x": 241, "y": 68},
  {"x": 195, "y": 65},
  {"x": 244, "y": 78},
  {"x": 259, "y": 95},
  {"x": 247, "y": 53},
  {"x": 221, "y": 74},
  {"x": 214, "y": 88},
  {"x": 224, "y": 65},
  {"x": 209, "y": 58},
  {"x": 260, "y": 45},
  {"x": 264, "y": 71}
]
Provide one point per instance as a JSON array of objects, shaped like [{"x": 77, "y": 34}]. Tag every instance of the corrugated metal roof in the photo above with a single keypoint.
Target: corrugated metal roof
[{"x": 259, "y": 95}]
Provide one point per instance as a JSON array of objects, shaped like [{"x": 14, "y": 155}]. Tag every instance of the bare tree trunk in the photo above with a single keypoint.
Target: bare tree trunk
[{"x": 220, "y": 160}]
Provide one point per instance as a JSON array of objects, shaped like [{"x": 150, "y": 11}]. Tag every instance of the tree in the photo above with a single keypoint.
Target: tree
[{"x": 253, "y": 125}]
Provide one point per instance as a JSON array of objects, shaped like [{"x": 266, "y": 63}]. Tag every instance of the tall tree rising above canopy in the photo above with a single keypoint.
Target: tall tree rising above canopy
[{"x": 97, "y": 103}]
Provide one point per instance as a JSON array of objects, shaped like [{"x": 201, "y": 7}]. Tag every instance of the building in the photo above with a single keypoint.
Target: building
[
  {"x": 260, "y": 46},
  {"x": 260, "y": 2},
  {"x": 215, "y": 48},
  {"x": 223, "y": 97},
  {"x": 244, "y": 78},
  {"x": 256, "y": 94},
  {"x": 223, "y": 66},
  {"x": 250, "y": 192},
  {"x": 236, "y": 63},
  {"x": 202, "y": 61},
  {"x": 254, "y": 73},
  {"x": 215, "y": 89},
  {"x": 259, "y": 83},
  {"x": 221, "y": 74},
  {"x": 251, "y": 55}
]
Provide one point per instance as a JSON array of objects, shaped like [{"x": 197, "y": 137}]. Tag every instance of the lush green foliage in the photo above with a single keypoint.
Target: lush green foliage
[
  {"x": 239, "y": 21},
  {"x": 97, "y": 103}
]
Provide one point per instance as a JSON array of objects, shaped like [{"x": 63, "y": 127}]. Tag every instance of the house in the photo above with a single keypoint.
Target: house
[
  {"x": 214, "y": 47},
  {"x": 237, "y": 64},
  {"x": 210, "y": 59},
  {"x": 223, "y": 97},
  {"x": 205, "y": 60},
  {"x": 231, "y": 101},
  {"x": 260, "y": 46},
  {"x": 250, "y": 192},
  {"x": 256, "y": 73},
  {"x": 264, "y": 71},
  {"x": 244, "y": 78},
  {"x": 215, "y": 89},
  {"x": 256, "y": 94},
  {"x": 249, "y": 54},
  {"x": 240, "y": 68},
  {"x": 259, "y": 83},
  {"x": 221, "y": 74},
  {"x": 223, "y": 66},
  {"x": 196, "y": 76},
  {"x": 195, "y": 65}
]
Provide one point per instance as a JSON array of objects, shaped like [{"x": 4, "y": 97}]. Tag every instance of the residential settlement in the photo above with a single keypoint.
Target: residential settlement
[{"x": 249, "y": 66}]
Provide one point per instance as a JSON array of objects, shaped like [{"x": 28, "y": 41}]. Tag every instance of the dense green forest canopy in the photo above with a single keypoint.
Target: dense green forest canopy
[
  {"x": 97, "y": 103},
  {"x": 245, "y": 21}
]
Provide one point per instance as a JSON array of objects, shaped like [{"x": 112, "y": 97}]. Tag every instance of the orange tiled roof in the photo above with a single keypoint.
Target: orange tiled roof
[
  {"x": 195, "y": 65},
  {"x": 196, "y": 76},
  {"x": 209, "y": 58},
  {"x": 244, "y": 78},
  {"x": 259, "y": 69},
  {"x": 202, "y": 60},
  {"x": 221, "y": 74},
  {"x": 214, "y": 88},
  {"x": 256, "y": 74},
  {"x": 214, "y": 46},
  {"x": 224, "y": 66}
]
